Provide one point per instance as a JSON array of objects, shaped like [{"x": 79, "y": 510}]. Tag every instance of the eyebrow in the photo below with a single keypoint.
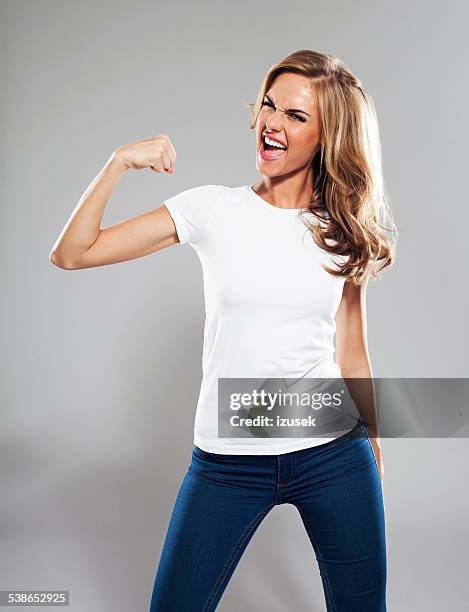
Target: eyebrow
[{"x": 290, "y": 110}]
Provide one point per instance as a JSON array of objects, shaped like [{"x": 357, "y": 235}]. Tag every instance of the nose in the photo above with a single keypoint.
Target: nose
[{"x": 275, "y": 119}]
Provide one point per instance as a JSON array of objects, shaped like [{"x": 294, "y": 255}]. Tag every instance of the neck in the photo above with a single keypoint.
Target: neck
[{"x": 284, "y": 192}]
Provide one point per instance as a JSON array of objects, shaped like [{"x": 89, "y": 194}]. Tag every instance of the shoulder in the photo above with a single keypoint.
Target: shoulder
[
  {"x": 191, "y": 210},
  {"x": 194, "y": 198},
  {"x": 197, "y": 191},
  {"x": 202, "y": 198}
]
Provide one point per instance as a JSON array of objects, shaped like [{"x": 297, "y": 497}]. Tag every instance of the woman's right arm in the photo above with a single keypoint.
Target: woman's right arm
[{"x": 84, "y": 244}]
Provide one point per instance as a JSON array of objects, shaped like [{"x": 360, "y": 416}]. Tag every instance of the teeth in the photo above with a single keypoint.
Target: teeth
[{"x": 273, "y": 143}]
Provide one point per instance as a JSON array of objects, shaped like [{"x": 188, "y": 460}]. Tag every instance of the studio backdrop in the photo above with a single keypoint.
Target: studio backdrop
[{"x": 101, "y": 367}]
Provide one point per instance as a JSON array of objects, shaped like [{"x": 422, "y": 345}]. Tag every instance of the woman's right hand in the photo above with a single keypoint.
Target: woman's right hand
[{"x": 156, "y": 153}]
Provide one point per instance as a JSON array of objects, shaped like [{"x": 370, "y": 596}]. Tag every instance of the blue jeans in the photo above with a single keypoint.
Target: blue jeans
[{"x": 223, "y": 498}]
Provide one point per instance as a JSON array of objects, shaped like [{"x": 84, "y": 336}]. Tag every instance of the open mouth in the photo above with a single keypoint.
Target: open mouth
[{"x": 269, "y": 149}]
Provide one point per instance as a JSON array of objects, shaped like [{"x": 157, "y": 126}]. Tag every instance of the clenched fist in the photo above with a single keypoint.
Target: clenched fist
[{"x": 156, "y": 153}]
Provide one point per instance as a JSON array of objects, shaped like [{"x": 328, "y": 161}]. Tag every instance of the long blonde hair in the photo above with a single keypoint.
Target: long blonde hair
[{"x": 349, "y": 195}]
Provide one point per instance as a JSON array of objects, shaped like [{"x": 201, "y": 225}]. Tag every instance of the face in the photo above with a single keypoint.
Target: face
[{"x": 298, "y": 131}]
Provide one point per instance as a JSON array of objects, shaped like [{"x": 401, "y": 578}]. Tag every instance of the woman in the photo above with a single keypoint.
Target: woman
[{"x": 286, "y": 263}]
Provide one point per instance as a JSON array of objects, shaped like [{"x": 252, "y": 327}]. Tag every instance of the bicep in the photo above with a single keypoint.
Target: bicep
[{"x": 135, "y": 237}]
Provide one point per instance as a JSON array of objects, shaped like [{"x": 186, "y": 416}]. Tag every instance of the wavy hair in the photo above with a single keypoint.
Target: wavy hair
[{"x": 349, "y": 196}]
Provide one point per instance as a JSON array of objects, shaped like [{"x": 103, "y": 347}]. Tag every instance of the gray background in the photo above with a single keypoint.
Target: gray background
[{"x": 101, "y": 367}]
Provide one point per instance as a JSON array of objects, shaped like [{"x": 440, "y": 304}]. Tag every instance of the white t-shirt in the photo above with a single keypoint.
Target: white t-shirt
[{"x": 269, "y": 304}]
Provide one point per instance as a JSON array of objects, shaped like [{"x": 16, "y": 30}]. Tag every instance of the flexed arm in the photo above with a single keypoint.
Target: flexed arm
[{"x": 84, "y": 244}]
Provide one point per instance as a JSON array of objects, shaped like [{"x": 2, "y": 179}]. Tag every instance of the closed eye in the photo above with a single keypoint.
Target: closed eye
[{"x": 297, "y": 117}]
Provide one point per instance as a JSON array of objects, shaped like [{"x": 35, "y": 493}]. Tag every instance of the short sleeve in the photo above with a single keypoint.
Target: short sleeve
[{"x": 190, "y": 211}]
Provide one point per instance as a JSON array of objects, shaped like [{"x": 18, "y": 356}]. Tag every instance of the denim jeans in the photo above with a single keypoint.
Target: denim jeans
[{"x": 223, "y": 498}]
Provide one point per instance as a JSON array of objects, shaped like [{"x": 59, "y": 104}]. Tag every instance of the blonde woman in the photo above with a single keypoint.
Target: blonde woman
[{"x": 286, "y": 263}]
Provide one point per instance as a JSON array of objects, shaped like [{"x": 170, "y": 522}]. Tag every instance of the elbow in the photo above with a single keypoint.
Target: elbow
[
  {"x": 356, "y": 369},
  {"x": 58, "y": 261}
]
